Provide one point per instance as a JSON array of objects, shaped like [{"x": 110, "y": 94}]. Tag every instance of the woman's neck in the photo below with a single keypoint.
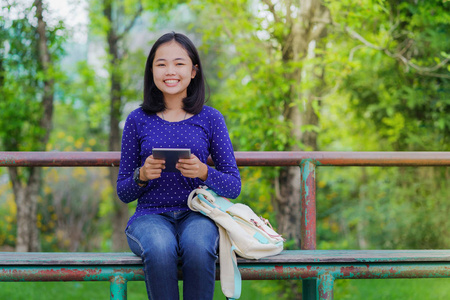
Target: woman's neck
[
  {"x": 174, "y": 115},
  {"x": 173, "y": 105},
  {"x": 174, "y": 102},
  {"x": 174, "y": 111}
]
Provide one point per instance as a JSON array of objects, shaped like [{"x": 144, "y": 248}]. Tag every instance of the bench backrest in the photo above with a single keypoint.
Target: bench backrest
[{"x": 307, "y": 161}]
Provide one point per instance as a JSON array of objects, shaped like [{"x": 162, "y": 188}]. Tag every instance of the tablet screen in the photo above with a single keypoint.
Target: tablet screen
[{"x": 171, "y": 156}]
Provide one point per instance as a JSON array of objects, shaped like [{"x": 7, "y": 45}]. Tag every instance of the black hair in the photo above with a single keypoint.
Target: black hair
[{"x": 153, "y": 97}]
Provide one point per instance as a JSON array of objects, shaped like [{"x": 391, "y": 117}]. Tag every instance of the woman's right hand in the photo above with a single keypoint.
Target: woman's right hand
[{"x": 152, "y": 168}]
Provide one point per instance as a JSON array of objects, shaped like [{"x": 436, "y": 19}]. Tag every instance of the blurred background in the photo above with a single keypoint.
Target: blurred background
[{"x": 305, "y": 75}]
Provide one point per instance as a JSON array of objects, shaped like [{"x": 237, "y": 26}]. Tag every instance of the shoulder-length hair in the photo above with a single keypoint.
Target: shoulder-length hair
[{"x": 153, "y": 97}]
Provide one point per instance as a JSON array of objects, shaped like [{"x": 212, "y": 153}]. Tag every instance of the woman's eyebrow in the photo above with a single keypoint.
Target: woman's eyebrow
[{"x": 163, "y": 59}]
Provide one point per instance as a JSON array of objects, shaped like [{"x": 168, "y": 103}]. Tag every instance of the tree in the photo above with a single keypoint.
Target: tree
[
  {"x": 114, "y": 13},
  {"x": 403, "y": 45},
  {"x": 28, "y": 75},
  {"x": 273, "y": 75},
  {"x": 393, "y": 61},
  {"x": 282, "y": 78}
]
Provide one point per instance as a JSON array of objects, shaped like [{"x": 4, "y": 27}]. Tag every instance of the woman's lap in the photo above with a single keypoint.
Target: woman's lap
[{"x": 162, "y": 240}]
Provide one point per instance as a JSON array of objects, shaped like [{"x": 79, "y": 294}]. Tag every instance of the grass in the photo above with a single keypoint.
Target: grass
[
  {"x": 368, "y": 289},
  {"x": 88, "y": 290},
  {"x": 398, "y": 289}
]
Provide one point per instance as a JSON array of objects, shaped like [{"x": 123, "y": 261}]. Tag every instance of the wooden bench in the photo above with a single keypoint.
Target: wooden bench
[
  {"x": 316, "y": 268},
  {"x": 325, "y": 266}
]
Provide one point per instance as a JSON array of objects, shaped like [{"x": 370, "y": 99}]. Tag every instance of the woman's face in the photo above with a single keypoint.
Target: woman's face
[{"x": 172, "y": 70}]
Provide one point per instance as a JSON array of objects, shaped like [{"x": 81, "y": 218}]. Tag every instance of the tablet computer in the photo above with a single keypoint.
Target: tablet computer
[{"x": 171, "y": 156}]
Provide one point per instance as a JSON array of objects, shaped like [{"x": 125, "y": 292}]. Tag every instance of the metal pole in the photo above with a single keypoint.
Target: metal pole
[
  {"x": 308, "y": 219},
  {"x": 118, "y": 288},
  {"x": 308, "y": 204},
  {"x": 257, "y": 158},
  {"x": 325, "y": 284}
]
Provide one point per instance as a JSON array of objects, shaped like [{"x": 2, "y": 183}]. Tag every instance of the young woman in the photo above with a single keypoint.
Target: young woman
[{"x": 163, "y": 231}]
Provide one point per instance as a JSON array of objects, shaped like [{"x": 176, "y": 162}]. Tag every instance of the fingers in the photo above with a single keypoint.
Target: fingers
[
  {"x": 188, "y": 165},
  {"x": 192, "y": 167},
  {"x": 188, "y": 169},
  {"x": 189, "y": 161},
  {"x": 152, "y": 168}
]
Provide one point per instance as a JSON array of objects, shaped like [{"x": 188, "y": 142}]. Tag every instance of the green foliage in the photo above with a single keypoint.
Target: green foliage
[
  {"x": 406, "y": 94},
  {"x": 385, "y": 104},
  {"x": 373, "y": 100},
  {"x": 22, "y": 77},
  {"x": 256, "y": 191},
  {"x": 383, "y": 208},
  {"x": 84, "y": 101},
  {"x": 8, "y": 212},
  {"x": 256, "y": 82},
  {"x": 67, "y": 215}
]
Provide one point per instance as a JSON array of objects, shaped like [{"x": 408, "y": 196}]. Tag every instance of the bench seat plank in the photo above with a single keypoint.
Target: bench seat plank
[
  {"x": 358, "y": 256},
  {"x": 285, "y": 257},
  {"x": 65, "y": 258}
]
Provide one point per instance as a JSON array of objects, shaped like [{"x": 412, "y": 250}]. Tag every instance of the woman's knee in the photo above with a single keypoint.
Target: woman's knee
[
  {"x": 200, "y": 249},
  {"x": 152, "y": 236}
]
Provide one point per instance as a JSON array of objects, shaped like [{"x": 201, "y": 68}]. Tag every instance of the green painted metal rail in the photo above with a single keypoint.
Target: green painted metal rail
[
  {"x": 318, "y": 276},
  {"x": 325, "y": 266}
]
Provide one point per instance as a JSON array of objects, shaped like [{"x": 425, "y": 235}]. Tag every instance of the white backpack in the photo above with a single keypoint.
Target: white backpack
[{"x": 241, "y": 232}]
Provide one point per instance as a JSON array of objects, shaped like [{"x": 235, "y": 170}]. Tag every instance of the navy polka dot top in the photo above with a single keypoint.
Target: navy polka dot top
[{"x": 205, "y": 134}]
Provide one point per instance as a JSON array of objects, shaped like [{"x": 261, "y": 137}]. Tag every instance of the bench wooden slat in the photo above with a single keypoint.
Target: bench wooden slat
[
  {"x": 286, "y": 257},
  {"x": 64, "y": 258},
  {"x": 358, "y": 256}
]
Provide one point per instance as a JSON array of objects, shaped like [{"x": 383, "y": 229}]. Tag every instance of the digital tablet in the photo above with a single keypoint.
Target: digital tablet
[{"x": 171, "y": 156}]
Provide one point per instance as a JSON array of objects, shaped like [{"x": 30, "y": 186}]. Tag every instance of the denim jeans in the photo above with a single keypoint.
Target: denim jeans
[{"x": 164, "y": 240}]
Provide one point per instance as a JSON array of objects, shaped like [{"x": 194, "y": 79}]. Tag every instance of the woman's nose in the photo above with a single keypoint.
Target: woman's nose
[{"x": 170, "y": 70}]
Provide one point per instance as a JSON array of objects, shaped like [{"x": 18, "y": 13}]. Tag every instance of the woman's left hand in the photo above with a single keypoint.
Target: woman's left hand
[{"x": 192, "y": 168}]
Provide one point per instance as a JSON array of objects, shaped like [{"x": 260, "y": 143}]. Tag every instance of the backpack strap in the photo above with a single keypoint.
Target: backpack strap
[
  {"x": 207, "y": 197},
  {"x": 230, "y": 277}
]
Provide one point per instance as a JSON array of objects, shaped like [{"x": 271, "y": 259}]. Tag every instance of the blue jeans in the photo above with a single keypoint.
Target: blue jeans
[{"x": 164, "y": 240}]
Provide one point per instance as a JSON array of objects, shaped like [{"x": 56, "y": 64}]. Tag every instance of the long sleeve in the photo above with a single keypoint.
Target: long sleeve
[
  {"x": 130, "y": 159},
  {"x": 225, "y": 179}
]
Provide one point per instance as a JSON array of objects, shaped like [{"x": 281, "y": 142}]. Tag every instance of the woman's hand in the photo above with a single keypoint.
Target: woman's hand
[
  {"x": 192, "y": 168},
  {"x": 152, "y": 168}
]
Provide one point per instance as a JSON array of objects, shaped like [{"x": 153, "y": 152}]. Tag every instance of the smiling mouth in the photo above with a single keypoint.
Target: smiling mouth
[{"x": 171, "y": 81}]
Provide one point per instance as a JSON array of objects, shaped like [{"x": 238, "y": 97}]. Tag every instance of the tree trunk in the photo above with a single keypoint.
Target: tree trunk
[
  {"x": 120, "y": 214},
  {"x": 303, "y": 29},
  {"x": 288, "y": 185},
  {"x": 26, "y": 201},
  {"x": 26, "y": 194},
  {"x": 45, "y": 60}
]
